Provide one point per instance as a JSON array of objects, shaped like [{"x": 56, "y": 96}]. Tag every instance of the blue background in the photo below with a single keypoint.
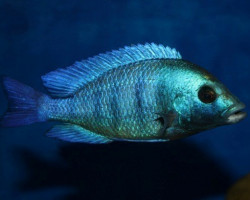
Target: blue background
[{"x": 39, "y": 36}]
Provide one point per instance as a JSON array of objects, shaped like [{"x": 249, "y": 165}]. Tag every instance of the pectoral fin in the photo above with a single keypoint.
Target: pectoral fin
[
  {"x": 75, "y": 133},
  {"x": 166, "y": 119}
]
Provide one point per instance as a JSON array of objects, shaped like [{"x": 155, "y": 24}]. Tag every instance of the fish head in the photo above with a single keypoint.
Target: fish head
[{"x": 205, "y": 102}]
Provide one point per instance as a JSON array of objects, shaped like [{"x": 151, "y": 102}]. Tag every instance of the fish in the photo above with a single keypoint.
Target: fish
[{"x": 139, "y": 93}]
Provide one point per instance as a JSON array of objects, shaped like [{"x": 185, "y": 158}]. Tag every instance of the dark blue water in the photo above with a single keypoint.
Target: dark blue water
[{"x": 39, "y": 36}]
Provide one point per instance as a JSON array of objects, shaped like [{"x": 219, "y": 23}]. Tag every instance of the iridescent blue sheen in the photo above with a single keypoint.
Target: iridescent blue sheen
[{"x": 138, "y": 93}]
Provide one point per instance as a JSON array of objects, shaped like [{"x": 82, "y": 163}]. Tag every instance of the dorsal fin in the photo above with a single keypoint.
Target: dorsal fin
[{"x": 65, "y": 82}]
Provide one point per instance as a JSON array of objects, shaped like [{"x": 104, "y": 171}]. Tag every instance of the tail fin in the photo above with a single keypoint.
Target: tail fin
[{"x": 23, "y": 104}]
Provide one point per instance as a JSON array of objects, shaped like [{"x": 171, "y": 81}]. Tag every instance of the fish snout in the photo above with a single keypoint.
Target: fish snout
[{"x": 234, "y": 113}]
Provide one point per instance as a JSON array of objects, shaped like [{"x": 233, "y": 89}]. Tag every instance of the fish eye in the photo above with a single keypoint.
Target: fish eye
[{"x": 207, "y": 94}]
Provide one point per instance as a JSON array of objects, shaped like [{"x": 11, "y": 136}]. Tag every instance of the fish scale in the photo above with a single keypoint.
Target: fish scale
[
  {"x": 137, "y": 93},
  {"x": 124, "y": 118}
]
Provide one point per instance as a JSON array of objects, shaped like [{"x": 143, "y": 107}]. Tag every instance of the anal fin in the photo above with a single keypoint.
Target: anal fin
[{"x": 75, "y": 133}]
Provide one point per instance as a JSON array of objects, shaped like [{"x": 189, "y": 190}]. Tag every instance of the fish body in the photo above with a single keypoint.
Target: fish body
[{"x": 139, "y": 93}]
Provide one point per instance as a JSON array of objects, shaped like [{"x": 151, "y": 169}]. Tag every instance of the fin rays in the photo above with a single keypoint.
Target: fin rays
[
  {"x": 65, "y": 82},
  {"x": 75, "y": 133}
]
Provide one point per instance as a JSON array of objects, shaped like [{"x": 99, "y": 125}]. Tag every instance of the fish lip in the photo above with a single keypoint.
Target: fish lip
[{"x": 234, "y": 113}]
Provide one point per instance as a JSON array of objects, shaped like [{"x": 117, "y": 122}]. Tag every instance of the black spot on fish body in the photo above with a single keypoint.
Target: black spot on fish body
[
  {"x": 161, "y": 120},
  {"x": 166, "y": 119}
]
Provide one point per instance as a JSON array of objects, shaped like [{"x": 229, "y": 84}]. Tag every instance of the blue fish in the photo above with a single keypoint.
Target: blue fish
[{"x": 137, "y": 93}]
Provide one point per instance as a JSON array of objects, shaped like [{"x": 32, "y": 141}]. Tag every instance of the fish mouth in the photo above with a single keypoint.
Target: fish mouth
[{"x": 235, "y": 114}]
